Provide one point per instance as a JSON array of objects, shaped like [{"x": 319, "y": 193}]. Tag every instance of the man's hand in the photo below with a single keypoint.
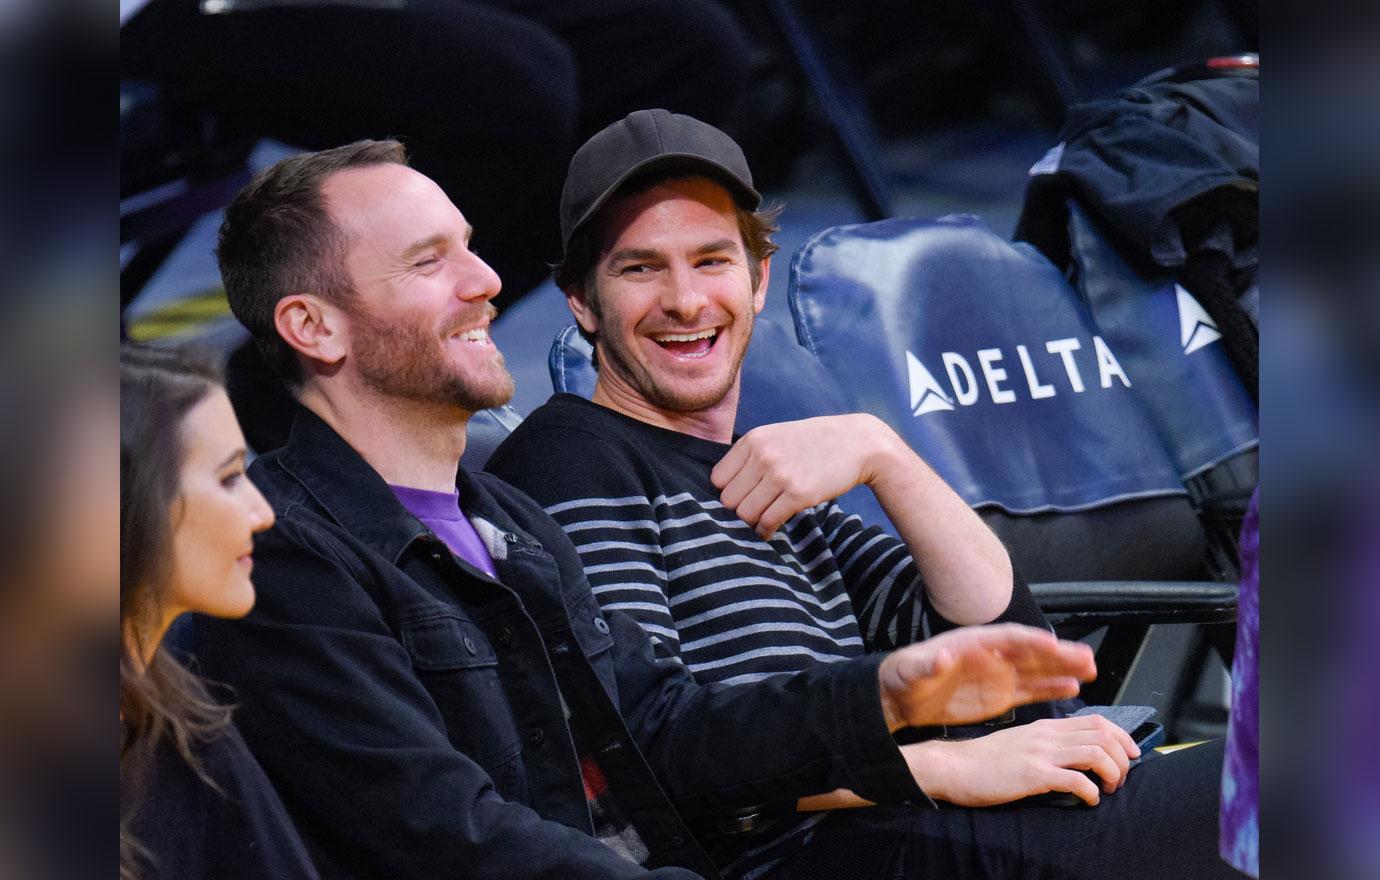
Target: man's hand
[
  {"x": 1043, "y": 756},
  {"x": 775, "y": 471},
  {"x": 978, "y": 672}
]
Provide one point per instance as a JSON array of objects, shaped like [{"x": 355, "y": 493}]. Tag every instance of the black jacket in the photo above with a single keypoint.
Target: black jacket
[
  {"x": 1168, "y": 169},
  {"x": 421, "y": 719},
  {"x": 230, "y": 832}
]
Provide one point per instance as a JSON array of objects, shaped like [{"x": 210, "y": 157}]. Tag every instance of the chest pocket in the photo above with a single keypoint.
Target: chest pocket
[
  {"x": 457, "y": 665},
  {"x": 592, "y": 633}
]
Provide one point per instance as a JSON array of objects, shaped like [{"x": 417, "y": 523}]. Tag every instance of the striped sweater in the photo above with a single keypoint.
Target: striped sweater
[{"x": 658, "y": 545}]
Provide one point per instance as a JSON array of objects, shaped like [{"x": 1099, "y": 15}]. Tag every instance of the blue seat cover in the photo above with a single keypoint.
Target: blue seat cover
[
  {"x": 1168, "y": 342},
  {"x": 984, "y": 358}
]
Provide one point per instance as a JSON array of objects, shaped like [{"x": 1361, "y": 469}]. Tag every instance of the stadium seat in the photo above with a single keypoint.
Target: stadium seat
[
  {"x": 1154, "y": 218},
  {"x": 980, "y": 353},
  {"x": 487, "y": 428},
  {"x": 1196, "y": 401}
]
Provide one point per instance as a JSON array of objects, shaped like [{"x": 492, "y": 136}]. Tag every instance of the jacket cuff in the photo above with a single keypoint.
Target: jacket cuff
[{"x": 866, "y": 753}]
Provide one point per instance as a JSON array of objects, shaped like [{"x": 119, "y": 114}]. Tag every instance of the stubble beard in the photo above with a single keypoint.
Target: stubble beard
[
  {"x": 658, "y": 394},
  {"x": 409, "y": 363}
]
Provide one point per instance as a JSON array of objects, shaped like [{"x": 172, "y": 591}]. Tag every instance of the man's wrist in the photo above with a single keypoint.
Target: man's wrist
[
  {"x": 892, "y": 467},
  {"x": 928, "y": 762}
]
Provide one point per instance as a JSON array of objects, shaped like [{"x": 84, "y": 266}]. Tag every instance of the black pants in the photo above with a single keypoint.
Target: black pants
[
  {"x": 491, "y": 96},
  {"x": 1162, "y": 825}
]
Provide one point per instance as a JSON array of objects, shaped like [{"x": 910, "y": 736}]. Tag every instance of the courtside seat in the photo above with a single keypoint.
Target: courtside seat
[
  {"x": 980, "y": 353},
  {"x": 1149, "y": 204},
  {"x": 1194, "y": 397}
]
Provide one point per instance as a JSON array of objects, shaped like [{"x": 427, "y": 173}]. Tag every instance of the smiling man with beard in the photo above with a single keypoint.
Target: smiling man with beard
[
  {"x": 426, "y": 676},
  {"x": 732, "y": 555}
]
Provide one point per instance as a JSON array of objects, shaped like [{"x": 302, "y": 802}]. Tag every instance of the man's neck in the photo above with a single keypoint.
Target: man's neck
[
  {"x": 714, "y": 422},
  {"x": 410, "y": 443}
]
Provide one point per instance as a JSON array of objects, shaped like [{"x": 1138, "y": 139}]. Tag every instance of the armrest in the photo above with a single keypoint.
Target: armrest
[
  {"x": 1128, "y": 609},
  {"x": 1102, "y": 603}
]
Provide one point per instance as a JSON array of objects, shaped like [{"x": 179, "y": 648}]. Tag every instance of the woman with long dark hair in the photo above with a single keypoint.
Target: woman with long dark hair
[{"x": 193, "y": 801}]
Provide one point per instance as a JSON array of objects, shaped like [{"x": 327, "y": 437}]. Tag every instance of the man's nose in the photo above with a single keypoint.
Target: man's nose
[
  {"x": 681, "y": 296},
  {"x": 478, "y": 280}
]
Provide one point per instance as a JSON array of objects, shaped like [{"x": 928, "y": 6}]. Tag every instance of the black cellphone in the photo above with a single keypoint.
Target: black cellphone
[{"x": 1148, "y": 736}]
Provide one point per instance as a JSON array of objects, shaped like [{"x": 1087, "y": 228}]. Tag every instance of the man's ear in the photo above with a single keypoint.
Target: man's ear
[
  {"x": 759, "y": 296},
  {"x": 584, "y": 314},
  {"x": 313, "y": 327}
]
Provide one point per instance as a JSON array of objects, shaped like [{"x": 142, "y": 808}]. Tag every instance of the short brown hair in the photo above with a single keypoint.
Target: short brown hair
[
  {"x": 277, "y": 239},
  {"x": 576, "y": 268}
]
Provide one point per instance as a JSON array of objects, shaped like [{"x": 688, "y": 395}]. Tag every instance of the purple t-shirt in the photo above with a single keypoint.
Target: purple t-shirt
[{"x": 441, "y": 513}]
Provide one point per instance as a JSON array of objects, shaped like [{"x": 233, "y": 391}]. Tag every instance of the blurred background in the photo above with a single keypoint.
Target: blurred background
[{"x": 955, "y": 102}]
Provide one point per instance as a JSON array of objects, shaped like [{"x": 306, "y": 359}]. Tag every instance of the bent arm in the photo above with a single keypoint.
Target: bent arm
[
  {"x": 966, "y": 570},
  {"x": 776, "y": 471}
]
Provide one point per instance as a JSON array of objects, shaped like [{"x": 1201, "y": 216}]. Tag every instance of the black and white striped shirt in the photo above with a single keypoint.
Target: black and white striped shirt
[{"x": 658, "y": 545}]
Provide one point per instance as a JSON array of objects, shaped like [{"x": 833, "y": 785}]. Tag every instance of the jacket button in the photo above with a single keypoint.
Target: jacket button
[
  {"x": 602, "y": 625},
  {"x": 535, "y": 737},
  {"x": 469, "y": 646},
  {"x": 503, "y": 636}
]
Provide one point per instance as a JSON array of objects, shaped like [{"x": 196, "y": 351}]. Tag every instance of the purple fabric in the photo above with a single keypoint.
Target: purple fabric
[
  {"x": 441, "y": 513},
  {"x": 1240, "y": 818}
]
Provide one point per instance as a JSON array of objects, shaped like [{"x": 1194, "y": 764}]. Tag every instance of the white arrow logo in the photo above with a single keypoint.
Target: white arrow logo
[
  {"x": 925, "y": 393},
  {"x": 1196, "y": 327}
]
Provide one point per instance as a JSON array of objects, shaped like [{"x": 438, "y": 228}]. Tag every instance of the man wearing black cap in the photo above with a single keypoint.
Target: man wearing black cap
[
  {"x": 426, "y": 677},
  {"x": 731, "y": 554}
]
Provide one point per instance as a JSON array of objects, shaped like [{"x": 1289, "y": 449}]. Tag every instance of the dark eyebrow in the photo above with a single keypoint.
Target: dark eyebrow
[
  {"x": 633, "y": 254},
  {"x": 723, "y": 244},
  {"x": 713, "y": 247},
  {"x": 236, "y": 457}
]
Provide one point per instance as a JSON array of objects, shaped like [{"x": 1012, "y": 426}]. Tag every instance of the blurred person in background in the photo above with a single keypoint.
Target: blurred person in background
[
  {"x": 193, "y": 801},
  {"x": 58, "y": 422}
]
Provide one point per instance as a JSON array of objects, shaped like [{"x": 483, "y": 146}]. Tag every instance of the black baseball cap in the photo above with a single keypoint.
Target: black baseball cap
[{"x": 639, "y": 143}]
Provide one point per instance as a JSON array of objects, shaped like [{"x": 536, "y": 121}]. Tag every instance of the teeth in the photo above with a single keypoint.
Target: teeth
[
  {"x": 685, "y": 337},
  {"x": 479, "y": 334}
]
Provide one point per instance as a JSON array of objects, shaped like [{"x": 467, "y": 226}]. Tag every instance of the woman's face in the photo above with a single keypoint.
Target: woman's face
[{"x": 214, "y": 516}]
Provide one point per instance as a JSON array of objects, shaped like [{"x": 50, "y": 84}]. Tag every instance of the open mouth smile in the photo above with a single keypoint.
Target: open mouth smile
[
  {"x": 690, "y": 345},
  {"x": 477, "y": 335}
]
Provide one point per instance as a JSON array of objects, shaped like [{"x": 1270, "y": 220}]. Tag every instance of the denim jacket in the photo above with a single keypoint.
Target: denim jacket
[{"x": 421, "y": 719}]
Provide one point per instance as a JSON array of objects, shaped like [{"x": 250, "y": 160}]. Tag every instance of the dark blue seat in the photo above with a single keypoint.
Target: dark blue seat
[
  {"x": 487, "y": 428},
  {"x": 982, "y": 356},
  {"x": 1196, "y": 400}
]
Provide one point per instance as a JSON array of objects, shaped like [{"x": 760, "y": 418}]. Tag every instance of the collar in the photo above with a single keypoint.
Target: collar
[
  {"x": 342, "y": 482},
  {"x": 356, "y": 496}
]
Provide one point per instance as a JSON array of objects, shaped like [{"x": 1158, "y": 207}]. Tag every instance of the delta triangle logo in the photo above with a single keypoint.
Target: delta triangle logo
[
  {"x": 1196, "y": 327},
  {"x": 926, "y": 395}
]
